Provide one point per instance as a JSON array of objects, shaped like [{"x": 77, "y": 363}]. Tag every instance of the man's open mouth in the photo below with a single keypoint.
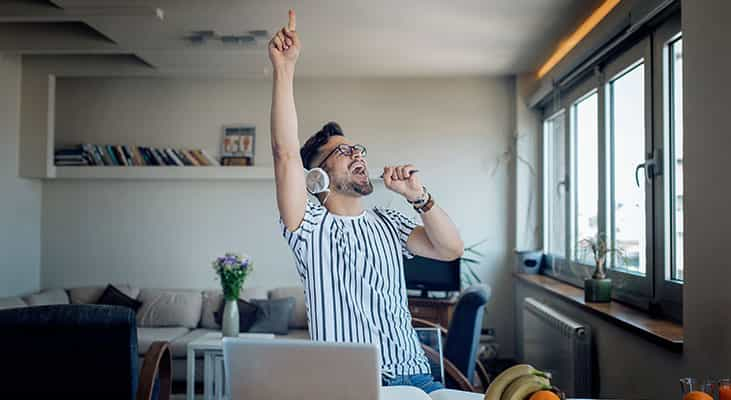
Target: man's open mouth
[{"x": 358, "y": 169}]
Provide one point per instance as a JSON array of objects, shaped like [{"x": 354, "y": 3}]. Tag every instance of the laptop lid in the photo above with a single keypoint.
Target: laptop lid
[{"x": 263, "y": 369}]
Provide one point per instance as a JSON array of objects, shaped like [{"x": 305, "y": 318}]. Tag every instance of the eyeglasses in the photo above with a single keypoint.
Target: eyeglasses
[{"x": 346, "y": 150}]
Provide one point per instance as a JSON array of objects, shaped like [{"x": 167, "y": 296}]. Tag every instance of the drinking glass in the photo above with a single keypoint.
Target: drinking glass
[
  {"x": 697, "y": 389},
  {"x": 724, "y": 389}
]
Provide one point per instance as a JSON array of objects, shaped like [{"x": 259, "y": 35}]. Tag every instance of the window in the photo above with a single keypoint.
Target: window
[
  {"x": 555, "y": 184},
  {"x": 627, "y": 219},
  {"x": 585, "y": 219},
  {"x": 675, "y": 133},
  {"x": 617, "y": 152}
]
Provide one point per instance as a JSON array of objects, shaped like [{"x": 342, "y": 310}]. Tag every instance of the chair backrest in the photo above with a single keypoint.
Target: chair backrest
[
  {"x": 69, "y": 351},
  {"x": 463, "y": 336}
]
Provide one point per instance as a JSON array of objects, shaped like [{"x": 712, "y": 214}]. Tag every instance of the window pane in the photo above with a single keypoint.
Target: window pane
[
  {"x": 555, "y": 185},
  {"x": 586, "y": 190},
  {"x": 676, "y": 165},
  {"x": 627, "y": 94}
]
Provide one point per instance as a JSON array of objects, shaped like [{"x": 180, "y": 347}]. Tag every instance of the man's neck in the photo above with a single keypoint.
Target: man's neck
[{"x": 344, "y": 205}]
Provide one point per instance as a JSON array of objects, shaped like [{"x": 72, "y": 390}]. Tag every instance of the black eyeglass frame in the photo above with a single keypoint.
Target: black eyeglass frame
[{"x": 345, "y": 150}]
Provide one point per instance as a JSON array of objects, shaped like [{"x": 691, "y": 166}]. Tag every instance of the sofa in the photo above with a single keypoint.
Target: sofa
[{"x": 177, "y": 316}]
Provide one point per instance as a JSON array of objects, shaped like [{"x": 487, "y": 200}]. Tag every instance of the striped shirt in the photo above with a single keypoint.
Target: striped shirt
[{"x": 352, "y": 271}]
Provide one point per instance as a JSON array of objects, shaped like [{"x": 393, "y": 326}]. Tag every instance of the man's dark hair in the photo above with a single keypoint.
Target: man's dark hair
[{"x": 311, "y": 148}]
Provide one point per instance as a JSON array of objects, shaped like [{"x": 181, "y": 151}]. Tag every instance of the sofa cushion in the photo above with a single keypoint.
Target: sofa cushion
[
  {"x": 299, "y": 315},
  {"x": 249, "y": 313},
  {"x": 115, "y": 297},
  {"x": 11, "y": 302},
  {"x": 213, "y": 298},
  {"x": 276, "y": 316},
  {"x": 47, "y": 298},
  {"x": 168, "y": 307},
  {"x": 146, "y": 336},
  {"x": 91, "y": 294}
]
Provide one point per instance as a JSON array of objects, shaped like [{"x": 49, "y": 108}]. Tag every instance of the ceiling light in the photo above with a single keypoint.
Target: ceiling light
[{"x": 567, "y": 45}]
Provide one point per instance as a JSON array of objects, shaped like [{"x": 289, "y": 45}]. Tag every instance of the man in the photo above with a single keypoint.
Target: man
[{"x": 350, "y": 259}]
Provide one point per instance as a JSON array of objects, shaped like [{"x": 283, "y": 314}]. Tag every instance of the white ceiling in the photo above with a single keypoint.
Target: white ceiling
[{"x": 340, "y": 37}]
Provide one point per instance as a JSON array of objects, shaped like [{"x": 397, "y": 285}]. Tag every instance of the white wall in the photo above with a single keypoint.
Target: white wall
[
  {"x": 20, "y": 199},
  {"x": 706, "y": 88},
  {"x": 165, "y": 233}
]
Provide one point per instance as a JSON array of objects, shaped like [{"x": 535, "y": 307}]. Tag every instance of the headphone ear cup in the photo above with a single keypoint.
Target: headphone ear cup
[{"x": 317, "y": 181}]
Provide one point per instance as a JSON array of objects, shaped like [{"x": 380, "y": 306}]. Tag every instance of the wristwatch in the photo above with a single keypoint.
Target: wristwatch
[
  {"x": 421, "y": 201},
  {"x": 426, "y": 207}
]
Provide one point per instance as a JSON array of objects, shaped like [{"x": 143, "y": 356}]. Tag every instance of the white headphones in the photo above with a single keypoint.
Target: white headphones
[{"x": 317, "y": 181}]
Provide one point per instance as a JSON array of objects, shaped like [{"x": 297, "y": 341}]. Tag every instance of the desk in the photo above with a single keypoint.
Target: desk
[
  {"x": 438, "y": 311},
  {"x": 210, "y": 346}
]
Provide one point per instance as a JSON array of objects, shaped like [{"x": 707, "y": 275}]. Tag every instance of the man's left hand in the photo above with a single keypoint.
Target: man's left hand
[{"x": 403, "y": 180}]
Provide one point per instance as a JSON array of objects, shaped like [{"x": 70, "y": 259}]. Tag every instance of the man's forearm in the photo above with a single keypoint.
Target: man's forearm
[
  {"x": 284, "y": 114},
  {"x": 442, "y": 233}
]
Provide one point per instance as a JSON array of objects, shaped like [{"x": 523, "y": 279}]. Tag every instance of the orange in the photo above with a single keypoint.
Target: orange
[
  {"x": 545, "y": 395},
  {"x": 696, "y": 395}
]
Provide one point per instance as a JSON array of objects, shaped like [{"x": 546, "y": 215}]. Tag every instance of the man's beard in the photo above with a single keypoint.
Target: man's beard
[{"x": 349, "y": 187}]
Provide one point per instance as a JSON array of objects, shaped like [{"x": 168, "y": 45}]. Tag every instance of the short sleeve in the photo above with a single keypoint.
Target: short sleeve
[
  {"x": 404, "y": 226},
  {"x": 298, "y": 239}
]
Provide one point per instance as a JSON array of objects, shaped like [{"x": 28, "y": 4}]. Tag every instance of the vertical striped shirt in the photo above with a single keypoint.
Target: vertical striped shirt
[{"x": 352, "y": 271}]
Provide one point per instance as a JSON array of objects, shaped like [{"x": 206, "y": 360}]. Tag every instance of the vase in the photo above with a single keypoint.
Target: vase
[
  {"x": 598, "y": 290},
  {"x": 230, "y": 319}
]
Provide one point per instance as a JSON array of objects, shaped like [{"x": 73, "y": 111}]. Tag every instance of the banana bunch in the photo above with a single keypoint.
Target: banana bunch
[{"x": 517, "y": 383}]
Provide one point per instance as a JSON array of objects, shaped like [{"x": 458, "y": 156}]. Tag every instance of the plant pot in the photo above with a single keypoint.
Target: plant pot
[
  {"x": 230, "y": 319},
  {"x": 598, "y": 290}
]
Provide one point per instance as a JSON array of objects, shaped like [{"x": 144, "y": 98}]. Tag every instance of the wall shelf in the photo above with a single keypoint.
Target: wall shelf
[{"x": 163, "y": 173}]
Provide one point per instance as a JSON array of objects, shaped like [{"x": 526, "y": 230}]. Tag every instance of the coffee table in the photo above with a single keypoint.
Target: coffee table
[{"x": 211, "y": 346}]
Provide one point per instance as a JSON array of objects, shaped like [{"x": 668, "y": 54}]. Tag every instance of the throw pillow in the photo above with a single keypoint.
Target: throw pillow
[
  {"x": 248, "y": 314},
  {"x": 277, "y": 314},
  {"x": 115, "y": 297}
]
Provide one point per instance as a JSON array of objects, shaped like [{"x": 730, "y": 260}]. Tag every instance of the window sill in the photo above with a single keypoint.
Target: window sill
[{"x": 663, "y": 332}]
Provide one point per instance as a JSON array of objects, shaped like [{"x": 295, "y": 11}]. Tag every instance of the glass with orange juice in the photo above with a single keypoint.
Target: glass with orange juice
[
  {"x": 724, "y": 389},
  {"x": 698, "y": 389}
]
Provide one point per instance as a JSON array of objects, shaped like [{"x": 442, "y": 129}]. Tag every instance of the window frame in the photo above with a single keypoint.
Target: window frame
[
  {"x": 654, "y": 292},
  {"x": 668, "y": 296},
  {"x": 635, "y": 289}
]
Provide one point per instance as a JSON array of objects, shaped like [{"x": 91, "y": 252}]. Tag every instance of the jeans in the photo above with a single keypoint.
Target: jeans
[{"x": 424, "y": 382}]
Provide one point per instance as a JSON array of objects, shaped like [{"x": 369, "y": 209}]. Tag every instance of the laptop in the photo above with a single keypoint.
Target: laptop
[{"x": 282, "y": 369}]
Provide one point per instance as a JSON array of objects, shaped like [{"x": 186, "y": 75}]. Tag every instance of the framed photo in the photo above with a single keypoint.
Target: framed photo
[{"x": 238, "y": 144}]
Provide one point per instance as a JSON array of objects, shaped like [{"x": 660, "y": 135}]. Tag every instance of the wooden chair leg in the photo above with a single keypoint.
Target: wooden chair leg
[
  {"x": 450, "y": 369},
  {"x": 158, "y": 363}
]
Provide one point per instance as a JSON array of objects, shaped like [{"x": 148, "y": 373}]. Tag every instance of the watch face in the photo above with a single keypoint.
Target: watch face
[{"x": 317, "y": 180}]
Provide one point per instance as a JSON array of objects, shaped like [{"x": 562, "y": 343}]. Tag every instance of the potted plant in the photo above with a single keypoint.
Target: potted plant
[
  {"x": 598, "y": 288},
  {"x": 232, "y": 270}
]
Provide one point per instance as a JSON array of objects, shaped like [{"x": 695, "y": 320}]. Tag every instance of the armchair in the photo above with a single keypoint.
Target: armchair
[
  {"x": 79, "y": 351},
  {"x": 461, "y": 340}
]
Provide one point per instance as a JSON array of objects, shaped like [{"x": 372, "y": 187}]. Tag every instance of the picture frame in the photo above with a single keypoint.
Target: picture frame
[{"x": 238, "y": 144}]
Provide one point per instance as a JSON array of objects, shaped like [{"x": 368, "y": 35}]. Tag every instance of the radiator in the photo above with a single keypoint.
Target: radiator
[{"x": 555, "y": 343}]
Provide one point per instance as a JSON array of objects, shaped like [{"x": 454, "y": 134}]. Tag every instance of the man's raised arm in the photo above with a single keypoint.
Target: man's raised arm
[{"x": 284, "y": 49}]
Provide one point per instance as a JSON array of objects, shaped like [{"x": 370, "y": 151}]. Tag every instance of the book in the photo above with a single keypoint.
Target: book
[
  {"x": 128, "y": 154},
  {"x": 210, "y": 159},
  {"x": 103, "y": 154},
  {"x": 174, "y": 157},
  {"x": 156, "y": 156},
  {"x": 190, "y": 157},
  {"x": 91, "y": 156},
  {"x": 112, "y": 155},
  {"x": 163, "y": 157},
  {"x": 183, "y": 158},
  {"x": 120, "y": 155},
  {"x": 137, "y": 156},
  {"x": 199, "y": 157}
]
